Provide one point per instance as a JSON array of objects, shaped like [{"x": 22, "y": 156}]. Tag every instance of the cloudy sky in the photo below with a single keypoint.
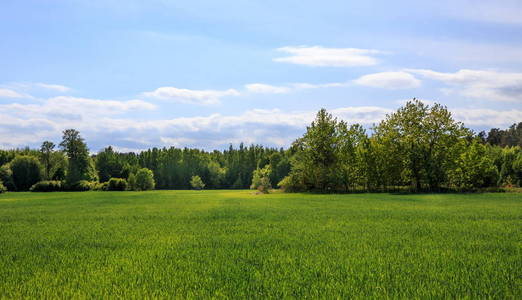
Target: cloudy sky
[{"x": 139, "y": 74}]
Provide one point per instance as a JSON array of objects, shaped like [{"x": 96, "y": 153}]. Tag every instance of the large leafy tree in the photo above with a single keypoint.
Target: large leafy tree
[
  {"x": 80, "y": 165},
  {"x": 280, "y": 166},
  {"x": 473, "y": 168},
  {"x": 110, "y": 165},
  {"x": 349, "y": 139},
  {"x": 26, "y": 171},
  {"x": 508, "y": 172},
  {"x": 316, "y": 158},
  {"x": 145, "y": 180},
  {"x": 46, "y": 153},
  {"x": 422, "y": 138}
]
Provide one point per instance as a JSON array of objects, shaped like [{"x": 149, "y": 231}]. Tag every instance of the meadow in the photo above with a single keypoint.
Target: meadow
[{"x": 235, "y": 244}]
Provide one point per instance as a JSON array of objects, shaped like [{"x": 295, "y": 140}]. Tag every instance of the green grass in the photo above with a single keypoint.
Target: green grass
[{"x": 233, "y": 244}]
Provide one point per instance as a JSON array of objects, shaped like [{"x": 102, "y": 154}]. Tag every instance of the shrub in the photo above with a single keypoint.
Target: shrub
[
  {"x": 117, "y": 184},
  {"x": 261, "y": 180},
  {"x": 26, "y": 171},
  {"x": 6, "y": 176},
  {"x": 197, "y": 183},
  {"x": 81, "y": 186},
  {"x": 144, "y": 180},
  {"x": 3, "y": 189},
  {"x": 131, "y": 182},
  {"x": 100, "y": 186},
  {"x": 291, "y": 183},
  {"x": 47, "y": 186}
]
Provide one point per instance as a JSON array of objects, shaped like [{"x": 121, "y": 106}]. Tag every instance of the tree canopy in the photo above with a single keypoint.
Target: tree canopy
[{"x": 419, "y": 147}]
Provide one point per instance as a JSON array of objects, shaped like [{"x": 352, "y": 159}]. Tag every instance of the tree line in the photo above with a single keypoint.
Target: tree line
[
  {"x": 417, "y": 148},
  {"x": 70, "y": 167}
]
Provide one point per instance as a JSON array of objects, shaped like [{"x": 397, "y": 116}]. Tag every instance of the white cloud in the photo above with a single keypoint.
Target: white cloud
[
  {"x": 177, "y": 141},
  {"x": 95, "y": 106},
  {"x": 389, "y": 80},
  {"x": 366, "y": 115},
  {"x": 35, "y": 87},
  {"x": 328, "y": 57},
  {"x": 53, "y": 87},
  {"x": 8, "y": 93},
  {"x": 102, "y": 123},
  {"x": 482, "y": 84},
  {"x": 487, "y": 117},
  {"x": 202, "y": 97},
  {"x": 64, "y": 108},
  {"x": 261, "y": 88},
  {"x": 27, "y": 124}
]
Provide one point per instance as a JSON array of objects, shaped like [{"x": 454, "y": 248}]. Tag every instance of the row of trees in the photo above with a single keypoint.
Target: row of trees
[
  {"x": 416, "y": 148},
  {"x": 70, "y": 167},
  {"x": 505, "y": 138}
]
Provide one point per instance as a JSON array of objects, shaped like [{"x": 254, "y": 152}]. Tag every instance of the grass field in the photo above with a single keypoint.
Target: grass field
[{"x": 233, "y": 244}]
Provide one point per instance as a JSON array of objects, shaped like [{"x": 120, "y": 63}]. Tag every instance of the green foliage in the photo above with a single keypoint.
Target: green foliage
[
  {"x": 280, "y": 166},
  {"x": 46, "y": 151},
  {"x": 145, "y": 180},
  {"x": 197, "y": 183},
  {"x": 238, "y": 184},
  {"x": 109, "y": 164},
  {"x": 81, "y": 186},
  {"x": 54, "y": 163},
  {"x": 132, "y": 182},
  {"x": 517, "y": 168},
  {"x": 506, "y": 138},
  {"x": 421, "y": 138},
  {"x": 292, "y": 183},
  {"x": 473, "y": 168},
  {"x": 417, "y": 148},
  {"x": 261, "y": 180},
  {"x": 235, "y": 245},
  {"x": 26, "y": 171},
  {"x": 80, "y": 165},
  {"x": 6, "y": 156},
  {"x": 216, "y": 174},
  {"x": 47, "y": 186},
  {"x": 3, "y": 189},
  {"x": 509, "y": 164},
  {"x": 99, "y": 186},
  {"x": 117, "y": 184},
  {"x": 315, "y": 158},
  {"x": 6, "y": 177}
]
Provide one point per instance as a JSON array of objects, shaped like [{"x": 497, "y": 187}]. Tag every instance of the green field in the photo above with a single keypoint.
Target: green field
[{"x": 234, "y": 244}]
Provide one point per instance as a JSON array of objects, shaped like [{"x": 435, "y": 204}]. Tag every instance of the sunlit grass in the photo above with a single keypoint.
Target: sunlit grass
[{"x": 236, "y": 244}]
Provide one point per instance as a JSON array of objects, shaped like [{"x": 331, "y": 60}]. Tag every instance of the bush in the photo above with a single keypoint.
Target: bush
[
  {"x": 144, "y": 180},
  {"x": 291, "y": 183},
  {"x": 6, "y": 176},
  {"x": 82, "y": 186},
  {"x": 26, "y": 171},
  {"x": 132, "y": 182},
  {"x": 197, "y": 183},
  {"x": 100, "y": 186},
  {"x": 3, "y": 189},
  {"x": 261, "y": 180},
  {"x": 47, "y": 186},
  {"x": 117, "y": 184}
]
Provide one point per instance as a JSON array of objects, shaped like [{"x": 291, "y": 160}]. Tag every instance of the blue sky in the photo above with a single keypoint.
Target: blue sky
[{"x": 140, "y": 74}]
